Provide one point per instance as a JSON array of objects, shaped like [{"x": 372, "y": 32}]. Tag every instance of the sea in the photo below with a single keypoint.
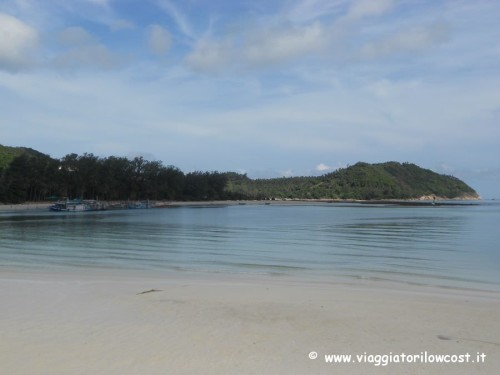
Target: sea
[{"x": 444, "y": 245}]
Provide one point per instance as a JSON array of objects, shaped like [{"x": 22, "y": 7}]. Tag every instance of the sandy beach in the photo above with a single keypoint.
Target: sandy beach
[
  {"x": 25, "y": 206},
  {"x": 97, "y": 322}
]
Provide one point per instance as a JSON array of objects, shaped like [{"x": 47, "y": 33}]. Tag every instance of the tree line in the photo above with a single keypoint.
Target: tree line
[
  {"x": 40, "y": 177},
  {"x": 33, "y": 176}
]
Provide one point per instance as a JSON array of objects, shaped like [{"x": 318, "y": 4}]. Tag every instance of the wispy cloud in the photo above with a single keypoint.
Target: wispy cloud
[
  {"x": 18, "y": 42},
  {"x": 80, "y": 49},
  {"x": 367, "y": 8},
  {"x": 258, "y": 48},
  {"x": 210, "y": 55},
  {"x": 311, "y": 30},
  {"x": 283, "y": 44},
  {"x": 181, "y": 20},
  {"x": 308, "y": 10},
  {"x": 159, "y": 40},
  {"x": 74, "y": 35},
  {"x": 412, "y": 40},
  {"x": 88, "y": 56},
  {"x": 121, "y": 24}
]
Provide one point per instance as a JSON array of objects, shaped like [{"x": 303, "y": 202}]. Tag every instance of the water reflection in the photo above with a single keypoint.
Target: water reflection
[{"x": 399, "y": 243}]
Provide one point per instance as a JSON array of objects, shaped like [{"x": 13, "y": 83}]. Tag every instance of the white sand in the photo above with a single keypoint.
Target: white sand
[{"x": 93, "y": 323}]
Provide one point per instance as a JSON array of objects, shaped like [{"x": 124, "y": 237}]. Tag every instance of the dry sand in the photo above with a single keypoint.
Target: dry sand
[{"x": 96, "y": 323}]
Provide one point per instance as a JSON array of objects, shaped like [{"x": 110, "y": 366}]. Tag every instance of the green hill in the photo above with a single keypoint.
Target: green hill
[
  {"x": 29, "y": 175},
  {"x": 7, "y": 154},
  {"x": 391, "y": 180}
]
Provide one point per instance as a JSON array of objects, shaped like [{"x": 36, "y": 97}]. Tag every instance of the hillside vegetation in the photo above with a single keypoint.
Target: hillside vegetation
[
  {"x": 28, "y": 175},
  {"x": 391, "y": 180},
  {"x": 7, "y": 154}
]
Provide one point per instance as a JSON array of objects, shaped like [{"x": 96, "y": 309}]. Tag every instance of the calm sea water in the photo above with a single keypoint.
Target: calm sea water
[{"x": 436, "y": 245}]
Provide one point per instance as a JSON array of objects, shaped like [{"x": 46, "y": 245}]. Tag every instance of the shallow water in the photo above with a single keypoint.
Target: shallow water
[{"x": 436, "y": 245}]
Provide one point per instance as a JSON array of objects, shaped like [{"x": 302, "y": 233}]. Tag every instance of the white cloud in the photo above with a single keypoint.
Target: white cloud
[
  {"x": 17, "y": 42},
  {"x": 323, "y": 167},
  {"x": 275, "y": 46},
  {"x": 309, "y": 29},
  {"x": 83, "y": 50},
  {"x": 159, "y": 40},
  {"x": 210, "y": 55},
  {"x": 366, "y": 8},
  {"x": 120, "y": 24},
  {"x": 391, "y": 90},
  {"x": 412, "y": 40},
  {"x": 287, "y": 173},
  {"x": 258, "y": 48},
  {"x": 312, "y": 29},
  {"x": 88, "y": 56},
  {"x": 74, "y": 35}
]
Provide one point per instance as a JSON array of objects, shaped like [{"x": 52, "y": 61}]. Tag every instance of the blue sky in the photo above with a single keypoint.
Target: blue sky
[{"x": 269, "y": 88}]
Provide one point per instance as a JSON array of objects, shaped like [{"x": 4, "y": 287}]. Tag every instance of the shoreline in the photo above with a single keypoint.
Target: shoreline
[
  {"x": 119, "y": 323},
  {"x": 166, "y": 204},
  {"x": 230, "y": 278},
  {"x": 460, "y": 287},
  {"x": 24, "y": 206}
]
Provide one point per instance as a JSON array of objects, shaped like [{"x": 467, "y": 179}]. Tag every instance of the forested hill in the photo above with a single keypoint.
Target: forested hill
[
  {"x": 7, "y": 154},
  {"x": 391, "y": 180},
  {"x": 28, "y": 175}
]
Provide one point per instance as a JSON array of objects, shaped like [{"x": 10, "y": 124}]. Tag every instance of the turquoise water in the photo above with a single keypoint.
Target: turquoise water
[{"x": 435, "y": 245}]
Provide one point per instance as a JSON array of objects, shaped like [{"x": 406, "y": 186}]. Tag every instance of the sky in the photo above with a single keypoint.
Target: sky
[{"x": 268, "y": 88}]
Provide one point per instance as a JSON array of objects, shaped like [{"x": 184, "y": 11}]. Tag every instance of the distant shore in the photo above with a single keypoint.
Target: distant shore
[
  {"x": 24, "y": 206},
  {"x": 164, "y": 204}
]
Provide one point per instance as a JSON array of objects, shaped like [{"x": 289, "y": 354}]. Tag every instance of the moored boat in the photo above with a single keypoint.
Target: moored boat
[
  {"x": 139, "y": 205},
  {"x": 77, "y": 205}
]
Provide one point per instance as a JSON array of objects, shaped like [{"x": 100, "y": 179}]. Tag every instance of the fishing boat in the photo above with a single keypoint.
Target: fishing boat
[
  {"x": 138, "y": 205},
  {"x": 77, "y": 205}
]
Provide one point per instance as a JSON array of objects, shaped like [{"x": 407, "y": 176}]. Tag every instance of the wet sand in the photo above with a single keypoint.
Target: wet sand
[{"x": 100, "y": 322}]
